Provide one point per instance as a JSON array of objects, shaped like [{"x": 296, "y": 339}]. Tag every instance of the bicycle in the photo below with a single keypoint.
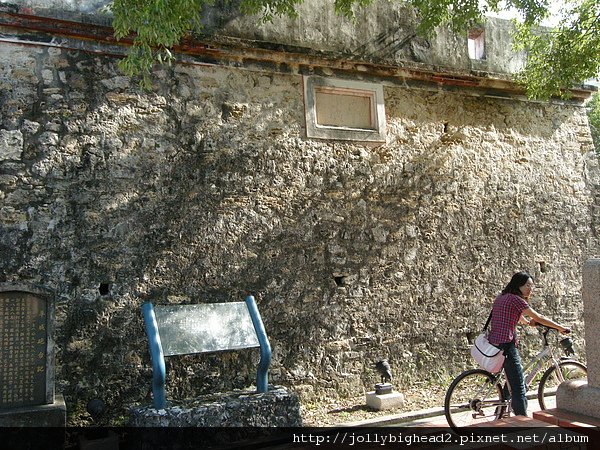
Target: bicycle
[{"x": 478, "y": 396}]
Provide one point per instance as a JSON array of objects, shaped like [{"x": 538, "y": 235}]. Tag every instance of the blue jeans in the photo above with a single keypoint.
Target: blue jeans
[{"x": 514, "y": 374}]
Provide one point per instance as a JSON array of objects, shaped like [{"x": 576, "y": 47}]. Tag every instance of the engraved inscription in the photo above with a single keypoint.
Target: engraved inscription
[
  {"x": 23, "y": 338},
  {"x": 205, "y": 327}
]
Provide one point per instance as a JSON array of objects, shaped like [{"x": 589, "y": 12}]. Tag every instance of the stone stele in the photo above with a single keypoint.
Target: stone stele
[
  {"x": 27, "y": 358},
  {"x": 580, "y": 396}
]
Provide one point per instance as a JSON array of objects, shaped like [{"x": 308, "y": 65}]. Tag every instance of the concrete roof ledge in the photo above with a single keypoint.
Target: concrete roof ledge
[{"x": 381, "y": 45}]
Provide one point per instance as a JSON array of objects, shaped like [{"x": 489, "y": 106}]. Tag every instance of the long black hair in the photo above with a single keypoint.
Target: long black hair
[{"x": 518, "y": 279}]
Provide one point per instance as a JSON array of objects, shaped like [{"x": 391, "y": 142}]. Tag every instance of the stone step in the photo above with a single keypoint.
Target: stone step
[
  {"x": 581, "y": 423},
  {"x": 566, "y": 419},
  {"x": 519, "y": 432}
]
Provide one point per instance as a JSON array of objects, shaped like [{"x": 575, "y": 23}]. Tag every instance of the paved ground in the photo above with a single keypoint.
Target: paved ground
[{"x": 432, "y": 417}]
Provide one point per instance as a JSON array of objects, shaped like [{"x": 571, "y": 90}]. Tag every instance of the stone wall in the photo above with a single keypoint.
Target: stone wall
[
  {"x": 383, "y": 32},
  {"x": 276, "y": 408},
  {"x": 207, "y": 189}
]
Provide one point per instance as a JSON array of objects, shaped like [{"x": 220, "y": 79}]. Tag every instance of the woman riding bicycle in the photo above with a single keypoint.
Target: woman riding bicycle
[{"x": 509, "y": 308}]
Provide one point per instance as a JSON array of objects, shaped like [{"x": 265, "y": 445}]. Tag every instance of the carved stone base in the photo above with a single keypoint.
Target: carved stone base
[
  {"x": 52, "y": 415},
  {"x": 579, "y": 397},
  {"x": 385, "y": 401}
]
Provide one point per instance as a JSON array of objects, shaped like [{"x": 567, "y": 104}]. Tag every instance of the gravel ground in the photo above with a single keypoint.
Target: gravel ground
[{"x": 323, "y": 414}]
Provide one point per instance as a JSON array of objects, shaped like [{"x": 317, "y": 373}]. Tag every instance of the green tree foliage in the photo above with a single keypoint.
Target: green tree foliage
[
  {"x": 462, "y": 14},
  {"x": 564, "y": 55},
  {"x": 157, "y": 25},
  {"x": 558, "y": 58}
]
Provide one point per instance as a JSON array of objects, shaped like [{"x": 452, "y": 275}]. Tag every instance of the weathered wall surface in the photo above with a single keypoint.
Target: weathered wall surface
[
  {"x": 276, "y": 408},
  {"x": 384, "y": 32},
  {"x": 207, "y": 189}
]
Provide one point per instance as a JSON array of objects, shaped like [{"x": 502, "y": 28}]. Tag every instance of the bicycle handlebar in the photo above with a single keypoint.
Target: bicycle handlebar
[
  {"x": 566, "y": 343},
  {"x": 537, "y": 324}
]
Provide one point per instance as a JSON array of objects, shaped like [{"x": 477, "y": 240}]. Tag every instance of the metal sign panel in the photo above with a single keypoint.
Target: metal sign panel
[{"x": 207, "y": 327}]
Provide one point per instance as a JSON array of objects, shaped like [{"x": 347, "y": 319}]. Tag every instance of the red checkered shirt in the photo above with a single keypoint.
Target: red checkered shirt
[{"x": 506, "y": 311}]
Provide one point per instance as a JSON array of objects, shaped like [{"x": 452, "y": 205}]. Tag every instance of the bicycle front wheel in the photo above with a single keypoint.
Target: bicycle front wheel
[
  {"x": 474, "y": 397},
  {"x": 569, "y": 370}
]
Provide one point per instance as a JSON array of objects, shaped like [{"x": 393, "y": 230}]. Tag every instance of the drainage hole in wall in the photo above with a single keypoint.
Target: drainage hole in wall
[
  {"x": 104, "y": 288},
  {"x": 339, "y": 280},
  {"x": 471, "y": 337}
]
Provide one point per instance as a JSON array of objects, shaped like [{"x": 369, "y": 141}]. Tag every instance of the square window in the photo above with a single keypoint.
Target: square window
[
  {"x": 346, "y": 110},
  {"x": 476, "y": 42}
]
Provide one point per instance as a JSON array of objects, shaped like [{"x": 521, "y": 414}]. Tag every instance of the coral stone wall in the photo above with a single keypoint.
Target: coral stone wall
[
  {"x": 207, "y": 189},
  {"x": 276, "y": 408}
]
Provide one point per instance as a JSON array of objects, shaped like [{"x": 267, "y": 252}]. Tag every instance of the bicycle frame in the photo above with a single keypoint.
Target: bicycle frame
[
  {"x": 481, "y": 395},
  {"x": 535, "y": 365}
]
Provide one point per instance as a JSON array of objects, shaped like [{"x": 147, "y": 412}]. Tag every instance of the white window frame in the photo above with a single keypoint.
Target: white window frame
[{"x": 373, "y": 91}]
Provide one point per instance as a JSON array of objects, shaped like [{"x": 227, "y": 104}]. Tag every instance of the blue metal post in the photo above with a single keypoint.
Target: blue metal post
[
  {"x": 262, "y": 373},
  {"x": 159, "y": 373}
]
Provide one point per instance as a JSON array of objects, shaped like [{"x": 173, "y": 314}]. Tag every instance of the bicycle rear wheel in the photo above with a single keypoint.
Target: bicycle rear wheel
[
  {"x": 570, "y": 370},
  {"x": 474, "y": 397}
]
